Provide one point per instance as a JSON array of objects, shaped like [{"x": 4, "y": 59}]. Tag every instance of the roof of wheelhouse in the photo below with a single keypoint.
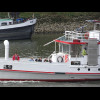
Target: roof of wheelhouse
[{"x": 5, "y": 19}]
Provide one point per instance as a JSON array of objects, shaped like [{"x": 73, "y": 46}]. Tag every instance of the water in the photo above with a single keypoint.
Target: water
[
  {"x": 31, "y": 47},
  {"x": 49, "y": 84},
  {"x": 34, "y": 48}
]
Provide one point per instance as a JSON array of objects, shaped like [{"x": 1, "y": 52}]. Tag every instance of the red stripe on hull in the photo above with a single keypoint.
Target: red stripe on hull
[
  {"x": 44, "y": 72},
  {"x": 27, "y": 71}
]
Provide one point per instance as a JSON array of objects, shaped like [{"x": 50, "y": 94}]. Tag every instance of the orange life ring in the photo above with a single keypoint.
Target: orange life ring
[{"x": 86, "y": 35}]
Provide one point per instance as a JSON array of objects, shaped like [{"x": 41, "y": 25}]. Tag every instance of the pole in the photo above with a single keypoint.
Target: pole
[
  {"x": 59, "y": 47},
  {"x": 8, "y": 15},
  {"x": 6, "y": 44},
  {"x": 53, "y": 41},
  {"x": 55, "y": 46}
]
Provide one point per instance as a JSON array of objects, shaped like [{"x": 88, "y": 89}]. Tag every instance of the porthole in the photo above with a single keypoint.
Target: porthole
[
  {"x": 78, "y": 69},
  {"x": 98, "y": 69},
  {"x": 88, "y": 69}
]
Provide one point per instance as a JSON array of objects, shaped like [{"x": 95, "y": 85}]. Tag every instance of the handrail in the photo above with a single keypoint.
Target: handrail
[
  {"x": 70, "y": 35},
  {"x": 53, "y": 41}
]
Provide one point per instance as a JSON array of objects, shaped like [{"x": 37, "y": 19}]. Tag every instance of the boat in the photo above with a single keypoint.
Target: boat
[
  {"x": 78, "y": 59},
  {"x": 20, "y": 28}
]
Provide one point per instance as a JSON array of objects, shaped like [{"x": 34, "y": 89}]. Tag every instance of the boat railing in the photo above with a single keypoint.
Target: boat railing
[{"x": 72, "y": 35}]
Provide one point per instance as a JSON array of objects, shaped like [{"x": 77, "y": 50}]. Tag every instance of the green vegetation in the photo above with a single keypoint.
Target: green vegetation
[
  {"x": 60, "y": 14},
  {"x": 57, "y": 22}
]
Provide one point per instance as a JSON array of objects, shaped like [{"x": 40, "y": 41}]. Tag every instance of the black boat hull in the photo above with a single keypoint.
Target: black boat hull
[{"x": 24, "y": 32}]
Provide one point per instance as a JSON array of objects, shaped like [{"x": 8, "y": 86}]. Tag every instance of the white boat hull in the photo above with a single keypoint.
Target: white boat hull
[
  {"x": 26, "y": 70},
  {"x": 8, "y": 75}
]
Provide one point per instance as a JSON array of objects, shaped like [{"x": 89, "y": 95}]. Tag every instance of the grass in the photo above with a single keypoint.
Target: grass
[{"x": 65, "y": 14}]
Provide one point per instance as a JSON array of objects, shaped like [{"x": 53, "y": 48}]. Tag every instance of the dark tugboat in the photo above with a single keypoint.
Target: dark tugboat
[{"x": 16, "y": 28}]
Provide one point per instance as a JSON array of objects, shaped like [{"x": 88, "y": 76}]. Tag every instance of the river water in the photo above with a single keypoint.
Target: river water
[{"x": 34, "y": 48}]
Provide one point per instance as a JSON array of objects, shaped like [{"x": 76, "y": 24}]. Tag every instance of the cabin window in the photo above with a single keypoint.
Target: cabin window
[
  {"x": 10, "y": 23},
  {"x": 31, "y": 21},
  {"x": 98, "y": 69},
  {"x": 64, "y": 48},
  {"x": 75, "y": 50},
  {"x": 7, "y": 67},
  {"x": 78, "y": 69},
  {"x": 4, "y": 24},
  {"x": 75, "y": 63},
  {"x": 88, "y": 69}
]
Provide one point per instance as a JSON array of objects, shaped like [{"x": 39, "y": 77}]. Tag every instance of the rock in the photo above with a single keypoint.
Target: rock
[{"x": 51, "y": 25}]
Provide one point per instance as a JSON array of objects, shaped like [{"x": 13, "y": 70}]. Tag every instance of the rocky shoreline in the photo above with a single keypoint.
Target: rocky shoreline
[{"x": 51, "y": 25}]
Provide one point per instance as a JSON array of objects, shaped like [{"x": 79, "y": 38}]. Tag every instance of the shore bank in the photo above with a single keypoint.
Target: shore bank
[{"x": 56, "y": 24}]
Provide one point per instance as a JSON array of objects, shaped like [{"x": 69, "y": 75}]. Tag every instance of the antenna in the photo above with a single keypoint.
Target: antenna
[
  {"x": 8, "y": 15},
  {"x": 33, "y": 15}
]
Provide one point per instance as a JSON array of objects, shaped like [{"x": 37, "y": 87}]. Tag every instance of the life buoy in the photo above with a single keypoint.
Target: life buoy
[
  {"x": 60, "y": 59},
  {"x": 86, "y": 35}
]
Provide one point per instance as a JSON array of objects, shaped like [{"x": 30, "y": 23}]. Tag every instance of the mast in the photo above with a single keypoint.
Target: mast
[
  {"x": 8, "y": 15},
  {"x": 14, "y": 15}
]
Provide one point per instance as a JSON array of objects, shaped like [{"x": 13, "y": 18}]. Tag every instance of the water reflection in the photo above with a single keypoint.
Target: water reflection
[
  {"x": 30, "y": 47},
  {"x": 24, "y": 48}
]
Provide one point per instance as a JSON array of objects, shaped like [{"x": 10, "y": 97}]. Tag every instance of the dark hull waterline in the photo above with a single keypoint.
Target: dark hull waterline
[{"x": 17, "y": 33}]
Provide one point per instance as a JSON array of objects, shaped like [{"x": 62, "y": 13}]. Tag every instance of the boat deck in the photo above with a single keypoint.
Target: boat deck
[{"x": 26, "y": 65}]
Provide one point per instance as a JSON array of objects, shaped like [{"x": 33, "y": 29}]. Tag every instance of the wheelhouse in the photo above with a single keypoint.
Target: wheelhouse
[{"x": 5, "y": 22}]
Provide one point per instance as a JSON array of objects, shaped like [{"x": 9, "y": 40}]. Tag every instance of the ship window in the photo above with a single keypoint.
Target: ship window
[
  {"x": 98, "y": 69},
  {"x": 88, "y": 69},
  {"x": 10, "y": 23},
  {"x": 31, "y": 21},
  {"x": 78, "y": 69},
  {"x": 4, "y": 24},
  {"x": 7, "y": 67},
  {"x": 75, "y": 62}
]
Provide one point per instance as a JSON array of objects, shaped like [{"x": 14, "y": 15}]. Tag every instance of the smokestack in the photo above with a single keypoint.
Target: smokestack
[{"x": 6, "y": 44}]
